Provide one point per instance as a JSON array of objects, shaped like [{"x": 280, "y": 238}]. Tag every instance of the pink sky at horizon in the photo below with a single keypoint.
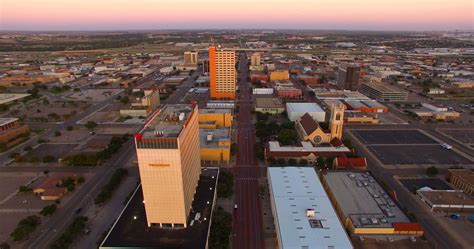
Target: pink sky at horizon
[{"x": 182, "y": 14}]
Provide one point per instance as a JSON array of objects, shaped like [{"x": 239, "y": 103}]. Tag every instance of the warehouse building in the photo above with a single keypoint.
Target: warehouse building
[
  {"x": 382, "y": 92},
  {"x": 302, "y": 211},
  {"x": 446, "y": 200},
  {"x": 269, "y": 105},
  {"x": 364, "y": 207},
  {"x": 462, "y": 179},
  {"x": 296, "y": 110}
]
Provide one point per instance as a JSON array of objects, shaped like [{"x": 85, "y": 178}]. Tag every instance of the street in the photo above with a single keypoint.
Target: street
[{"x": 248, "y": 227}]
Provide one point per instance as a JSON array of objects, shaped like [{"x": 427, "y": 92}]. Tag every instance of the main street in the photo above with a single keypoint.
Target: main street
[{"x": 248, "y": 227}]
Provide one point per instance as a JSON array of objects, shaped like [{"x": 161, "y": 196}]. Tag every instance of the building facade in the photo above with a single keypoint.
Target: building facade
[
  {"x": 462, "y": 179},
  {"x": 169, "y": 162},
  {"x": 348, "y": 77},
  {"x": 191, "y": 58},
  {"x": 11, "y": 132},
  {"x": 222, "y": 73},
  {"x": 381, "y": 92}
]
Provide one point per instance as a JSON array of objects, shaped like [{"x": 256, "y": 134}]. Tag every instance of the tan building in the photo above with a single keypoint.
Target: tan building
[
  {"x": 215, "y": 118},
  {"x": 222, "y": 73},
  {"x": 169, "y": 161},
  {"x": 11, "y": 132},
  {"x": 190, "y": 58},
  {"x": 143, "y": 106},
  {"x": 462, "y": 179},
  {"x": 272, "y": 106},
  {"x": 255, "y": 59},
  {"x": 279, "y": 75}
]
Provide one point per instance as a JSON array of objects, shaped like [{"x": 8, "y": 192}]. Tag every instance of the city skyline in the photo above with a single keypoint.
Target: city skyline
[{"x": 87, "y": 15}]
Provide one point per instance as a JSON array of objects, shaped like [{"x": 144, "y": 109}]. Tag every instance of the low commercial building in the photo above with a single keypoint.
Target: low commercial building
[
  {"x": 290, "y": 92},
  {"x": 366, "y": 106},
  {"x": 306, "y": 151},
  {"x": 11, "y": 132},
  {"x": 143, "y": 106},
  {"x": 350, "y": 163},
  {"x": 325, "y": 94},
  {"x": 272, "y": 106},
  {"x": 260, "y": 91},
  {"x": 462, "y": 179},
  {"x": 6, "y": 98},
  {"x": 428, "y": 111},
  {"x": 215, "y": 145},
  {"x": 302, "y": 211},
  {"x": 296, "y": 110},
  {"x": 383, "y": 92},
  {"x": 446, "y": 200},
  {"x": 215, "y": 118},
  {"x": 279, "y": 75},
  {"x": 52, "y": 188},
  {"x": 364, "y": 207},
  {"x": 360, "y": 118},
  {"x": 258, "y": 76}
]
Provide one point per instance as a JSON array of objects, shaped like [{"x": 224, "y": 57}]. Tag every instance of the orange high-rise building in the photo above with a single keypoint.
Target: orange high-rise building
[
  {"x": 169, "y": 161},
  {"x": 222, "y": 73}
]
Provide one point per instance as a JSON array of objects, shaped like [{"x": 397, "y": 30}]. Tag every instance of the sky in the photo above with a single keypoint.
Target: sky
[{"x": 71, "y": 15}]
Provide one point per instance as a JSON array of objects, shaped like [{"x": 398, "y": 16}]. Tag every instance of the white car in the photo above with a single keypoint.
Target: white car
[{"x": 446, "y": 146}]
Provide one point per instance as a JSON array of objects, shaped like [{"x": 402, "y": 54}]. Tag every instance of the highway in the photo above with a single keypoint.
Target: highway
[{"x": 248, "y": 223}]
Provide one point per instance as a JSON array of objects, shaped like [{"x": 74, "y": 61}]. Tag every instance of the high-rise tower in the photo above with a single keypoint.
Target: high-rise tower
[
  {"x": 170, "y": 164},
  {"x": 222, "y": 73}
]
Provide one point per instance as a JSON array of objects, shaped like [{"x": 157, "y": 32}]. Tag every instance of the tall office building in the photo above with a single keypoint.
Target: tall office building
[
  {"x": 190, "y": 58},
  {"x": 169, "y": 162},
  {"x": 348, "y": 77},
  {"x": 255, "y": 59},
  {"x": 222, "y": 73}
]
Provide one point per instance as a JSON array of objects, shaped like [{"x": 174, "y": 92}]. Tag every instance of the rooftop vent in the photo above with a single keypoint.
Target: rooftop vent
[{"x": 310, "y": 212}]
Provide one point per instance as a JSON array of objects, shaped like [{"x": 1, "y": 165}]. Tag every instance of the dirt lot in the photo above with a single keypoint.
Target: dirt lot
[
  {"x": 107, "y": 115},
  {"x": 55, "y": 150},
  {"x": 79, "y": 134},
  {"x": 52, "y": 112}
]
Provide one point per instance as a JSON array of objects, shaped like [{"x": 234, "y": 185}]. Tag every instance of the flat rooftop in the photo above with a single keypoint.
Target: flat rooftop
[
  {"x": 210, "y": 111},
  {"x": 275, "y": 146},
  {"x": 363, "y": 200},
  {"x": 294, "y": 190},
  {"x": 446, "y": 197},
  {"x": 9, "y": 97},
  {"x": 268, "y": 103},
  {"x": 4, "y": 121},
  {"x": 466, "y": 175},
  {"x": 168, "y": 122},
  {"x": 303, "y": 107},
  {"x": 131, "y": 229},
  {"x": 210, "y": 138},
  {"x": 381, "y": 87}
]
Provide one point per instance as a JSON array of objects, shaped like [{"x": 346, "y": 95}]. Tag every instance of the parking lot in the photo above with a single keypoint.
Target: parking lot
[
  {"x": 417, "y": 154},
  {"x": 465, "y": 136},
  {"x": 393, "y": 137},
  {"x": 94, "y": 95}
]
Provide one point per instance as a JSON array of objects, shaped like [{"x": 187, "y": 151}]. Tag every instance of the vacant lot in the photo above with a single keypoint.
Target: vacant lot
[
  {"x": 50, "y": 112},
  {"x": 393, "y": 137},
  {"x": 94, "y": 95},
  {"x": 55, "y": 150}
]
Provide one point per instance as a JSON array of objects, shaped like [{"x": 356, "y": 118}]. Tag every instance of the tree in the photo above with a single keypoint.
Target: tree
[
  {"x": 320, "y": 162},
  {"x": 432, "y": 171},
  {"x": 287, "y": 136},
  {"x": 28, "y": 148},
  {"x": 69, "y": 128},
  {"x": 24, "y": 189},
  {"x": 57, "y": 133},
  {"x": 303, "y": 162},
  {"x": 292, "y": 162},
  {"x": 45, "y": 102},
  {"x": 234, "y": 148},
  {"x": 225, "y": 186},
  {"x": 124, "y": 100},
  {"x": 221, "y": 229},
  {"x": 281, "y": 161},
  {"x": 91, "y": 125},
  {"x": 48, "y": 159},
  {"x": 48, "y": 210},
  {"x": 271, "y": 160},
  {"x": 25, "y": 227}
]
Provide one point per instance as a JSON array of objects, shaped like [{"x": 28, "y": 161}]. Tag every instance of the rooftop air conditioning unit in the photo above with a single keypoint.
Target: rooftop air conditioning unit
[{"x": 309, "y": 212}]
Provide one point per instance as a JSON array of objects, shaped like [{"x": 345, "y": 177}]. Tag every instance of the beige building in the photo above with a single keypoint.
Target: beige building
[
  {"x": 143, "y": 106},
  {"x": 222, "y": 73},
  {"x": 168, "y": 155},
  {"x": 191, "y": 58},
  {"x": 462, "y": 179}
]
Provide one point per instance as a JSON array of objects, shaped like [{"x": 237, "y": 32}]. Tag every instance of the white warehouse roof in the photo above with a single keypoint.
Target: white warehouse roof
[
  {"x": 293, "y": 191},
  {"x": 296, "y": 110}
]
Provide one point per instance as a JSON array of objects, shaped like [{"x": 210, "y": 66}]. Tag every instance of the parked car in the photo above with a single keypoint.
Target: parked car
[{"x": 446, "y": 146}]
